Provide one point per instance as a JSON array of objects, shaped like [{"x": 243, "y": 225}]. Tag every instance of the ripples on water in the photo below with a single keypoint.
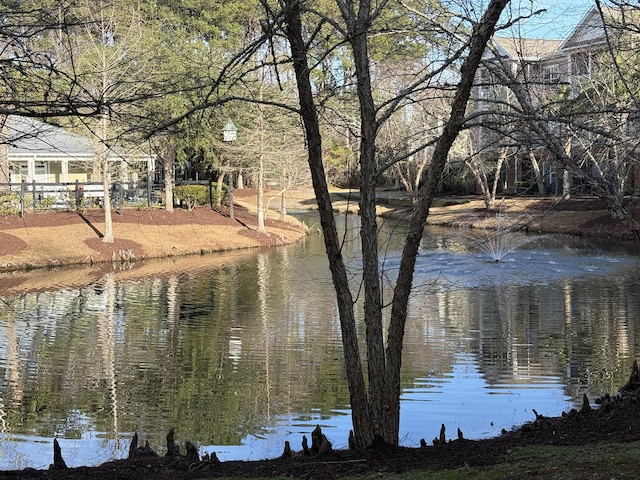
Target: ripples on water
[{"x": 241, "y": 351}]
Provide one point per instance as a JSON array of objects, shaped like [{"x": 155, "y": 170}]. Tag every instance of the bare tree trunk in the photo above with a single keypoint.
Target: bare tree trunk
[
  {"x": 102, "y": 128},
  {"x": 566, "y": 186},
  {"x": 4, "y": 149},
  {"x": 169, "y": 168},
  {"x": 219, "y": 184},
  {"x": 360, "y": 413},
  {"x": 483, "y": 31},
  {"x": 358, "y": 23},
  {"x": 283, "y": 205},
  {"x": 496, "y": 179},
  {"x": 108, "y": 220},
  {"x": 260, "y": 196},
  {"x": 481, "y": 181},
  {"x": 536, "y": 170},
  {"x": 404, "y": 179},
  {"x": 377, "y": 416},
  {"x": 424, "y": 163},
  {"x": 424, "y": 157},
  {"x": 103, "y": 159},
  {"x": 283, "y": 193},
  {"x": 96, "y": 170}
]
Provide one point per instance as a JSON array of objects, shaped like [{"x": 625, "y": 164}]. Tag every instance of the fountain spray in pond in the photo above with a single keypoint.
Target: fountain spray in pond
[{"x": 499, "y": 238}]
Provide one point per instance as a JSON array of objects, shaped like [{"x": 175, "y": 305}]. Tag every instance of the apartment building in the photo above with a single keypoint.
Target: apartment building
[{"x": 560, "y": 79}]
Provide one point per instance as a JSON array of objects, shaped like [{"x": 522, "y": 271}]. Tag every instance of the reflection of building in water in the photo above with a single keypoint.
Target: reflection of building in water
[
  {"x": 571, "y": 331},
  {"x": 235, "y": 345}
]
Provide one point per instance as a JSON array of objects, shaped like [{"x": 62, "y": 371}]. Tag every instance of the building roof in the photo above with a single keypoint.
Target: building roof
[
  {"x": 589, "y": 30},
  {"x": 526, "y": 49},
  {"x": 31, "y": 136}
]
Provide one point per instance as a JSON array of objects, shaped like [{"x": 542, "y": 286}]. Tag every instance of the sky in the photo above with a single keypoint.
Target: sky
[{"x": 557, "y": 22}]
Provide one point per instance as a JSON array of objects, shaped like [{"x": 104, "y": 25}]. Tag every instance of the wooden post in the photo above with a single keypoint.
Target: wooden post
[
  {"x": 22, "y": 192},
  {"x": 172, "y": 449},
  {"x": 148, "y": 190},
  {"x": 316, "y": 439},
  {"x": 134, "y": 445},
  {"x": 191, "y": 456},
  {"x": 230, "y": 195},
  {"x": 443, "y": 438}
]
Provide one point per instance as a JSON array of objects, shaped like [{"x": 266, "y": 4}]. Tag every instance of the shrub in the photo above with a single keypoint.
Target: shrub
[
  {"x": 9, "y": 203},
  {"x": 191, "y": 196},
  {"x": 523, "y": 187},
  {"x": 46, "y": 202}
]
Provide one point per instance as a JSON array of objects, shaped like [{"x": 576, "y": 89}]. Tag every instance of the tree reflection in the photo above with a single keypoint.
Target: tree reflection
[
  {"x": 107, "y": 343},
  {"x": 224, "y": 353}
]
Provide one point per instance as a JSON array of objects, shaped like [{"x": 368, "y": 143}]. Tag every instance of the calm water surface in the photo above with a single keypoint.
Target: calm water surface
[{"x": 241, "y": 351}]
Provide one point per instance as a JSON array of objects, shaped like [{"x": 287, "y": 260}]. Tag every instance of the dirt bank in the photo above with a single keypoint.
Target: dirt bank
[
  {"x": 54, "y": 239},
  {"x": 583, "y": 216},
  {"x": 49, "y": 239}
]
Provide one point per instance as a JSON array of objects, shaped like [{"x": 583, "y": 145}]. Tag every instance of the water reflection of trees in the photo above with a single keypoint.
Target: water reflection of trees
[
  {"x": 219, "y": 353},
  {"x": 212, "y": 355},
  {"x": 581, "y": 332}
]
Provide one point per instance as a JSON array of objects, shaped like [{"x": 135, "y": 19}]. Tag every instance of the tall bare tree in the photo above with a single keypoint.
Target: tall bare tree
[
  {"x": 376, "y": 407},
  {"x": 110, "y": 56}
]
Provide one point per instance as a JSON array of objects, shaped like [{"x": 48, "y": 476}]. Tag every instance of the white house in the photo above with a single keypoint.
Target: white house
[{"x": 43, "y": 153}]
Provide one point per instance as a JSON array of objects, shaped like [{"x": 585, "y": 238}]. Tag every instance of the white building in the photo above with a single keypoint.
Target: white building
[{"x": 43, "y": 153}]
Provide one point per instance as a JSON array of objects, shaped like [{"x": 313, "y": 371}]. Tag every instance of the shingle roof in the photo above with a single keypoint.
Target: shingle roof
[
  {"x": 28, "y": 135},
  {"x": 528, "y": 49}
]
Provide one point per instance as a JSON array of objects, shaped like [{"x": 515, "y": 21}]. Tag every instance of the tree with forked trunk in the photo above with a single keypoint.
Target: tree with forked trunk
[{"x": 375, "y": 403}]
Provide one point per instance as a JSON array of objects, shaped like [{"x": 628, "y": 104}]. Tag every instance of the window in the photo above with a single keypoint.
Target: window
[
  {"x": 40, "y": 172},
  {"x": 548, "y": 173},
  {"x": 551, "y": 74},
  {"x": 580, "y": 63}
]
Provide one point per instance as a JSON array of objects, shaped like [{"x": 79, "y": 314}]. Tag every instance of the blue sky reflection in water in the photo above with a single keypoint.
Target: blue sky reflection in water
[{"x": 244, "y": 353}]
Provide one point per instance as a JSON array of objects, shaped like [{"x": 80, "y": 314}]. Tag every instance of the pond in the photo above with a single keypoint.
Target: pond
[{"x": 240, "y": 351}]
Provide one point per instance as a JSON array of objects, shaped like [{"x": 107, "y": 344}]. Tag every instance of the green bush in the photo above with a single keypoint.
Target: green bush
[
  {"x": 46, "y": 202},
  {"x": 523, "y": 187},
  {"x": 9, "y": 203},
  {"x": 190, "y": 196},
  {"x": 85, "y": 202}
]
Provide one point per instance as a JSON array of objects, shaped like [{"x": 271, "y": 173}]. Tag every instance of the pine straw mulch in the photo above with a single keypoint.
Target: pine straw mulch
[{"x": 243, "y": 225}]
